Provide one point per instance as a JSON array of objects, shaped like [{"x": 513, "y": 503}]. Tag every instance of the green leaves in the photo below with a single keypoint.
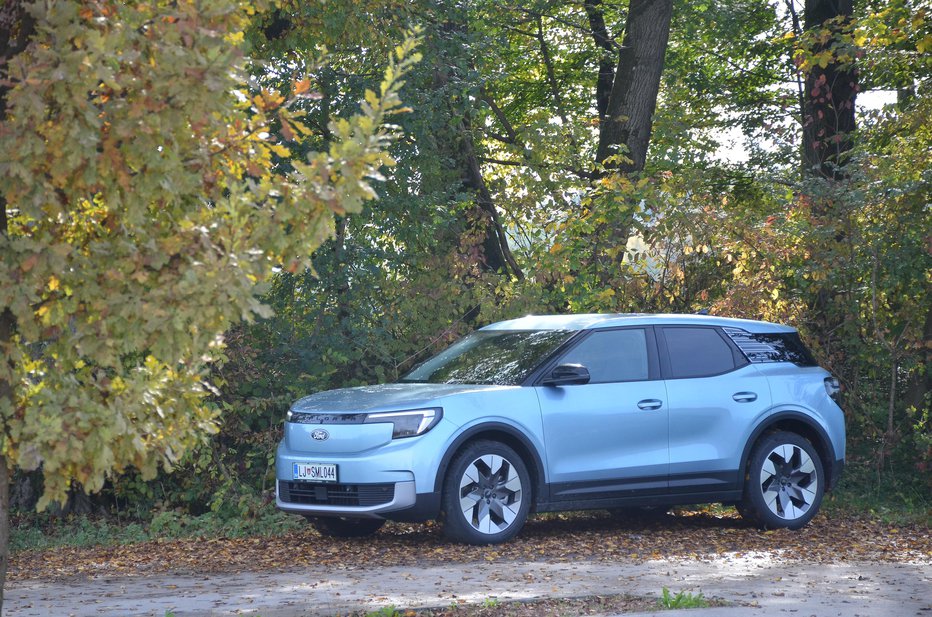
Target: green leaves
[{"x": 144, "y": 204}]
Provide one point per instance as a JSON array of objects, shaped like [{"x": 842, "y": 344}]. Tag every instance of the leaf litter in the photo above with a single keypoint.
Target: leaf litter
[{"x": 568, "y": 537}]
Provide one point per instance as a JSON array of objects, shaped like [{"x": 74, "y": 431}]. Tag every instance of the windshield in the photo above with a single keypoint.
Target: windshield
[{"x": 496, "y": 357}]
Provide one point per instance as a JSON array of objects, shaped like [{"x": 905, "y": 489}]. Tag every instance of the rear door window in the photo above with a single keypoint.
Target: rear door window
[{"x": 697, "y": 352}]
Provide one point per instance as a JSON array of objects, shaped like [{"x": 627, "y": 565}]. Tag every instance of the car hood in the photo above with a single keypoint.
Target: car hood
[{"x": 385, "y": 396}]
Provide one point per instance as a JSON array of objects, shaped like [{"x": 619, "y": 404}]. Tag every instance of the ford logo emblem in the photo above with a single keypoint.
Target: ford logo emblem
[{"x": 320, "y": 435}]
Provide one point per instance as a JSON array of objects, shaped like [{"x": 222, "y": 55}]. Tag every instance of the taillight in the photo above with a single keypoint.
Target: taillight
[{"x": 832, "y": 388}]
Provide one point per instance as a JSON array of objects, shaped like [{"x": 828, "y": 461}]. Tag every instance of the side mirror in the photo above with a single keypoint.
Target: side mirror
[{"x": 567, "y": 375}]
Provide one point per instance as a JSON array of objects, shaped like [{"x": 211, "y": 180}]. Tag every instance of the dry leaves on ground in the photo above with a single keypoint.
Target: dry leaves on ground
[{"x": 554, "y": 538}]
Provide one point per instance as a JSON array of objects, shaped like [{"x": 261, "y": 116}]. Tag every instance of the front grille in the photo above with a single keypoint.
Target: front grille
[
  {"x": 313, "y": 417},
  {"x": 336, "y": 494}
]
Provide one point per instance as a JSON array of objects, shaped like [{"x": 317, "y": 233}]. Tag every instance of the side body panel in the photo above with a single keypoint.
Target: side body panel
[
  {"x": 802, "y": 390},
  {"x": 599, "y": 441},
  {"x": 711, "y": 419}
]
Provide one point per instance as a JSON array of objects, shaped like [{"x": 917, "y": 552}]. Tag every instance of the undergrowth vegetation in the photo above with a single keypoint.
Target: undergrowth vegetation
[
  {"x": 845, "y": 259},
  {"x": 44, "y": 531},
  {"x": 888, "y": 500}
]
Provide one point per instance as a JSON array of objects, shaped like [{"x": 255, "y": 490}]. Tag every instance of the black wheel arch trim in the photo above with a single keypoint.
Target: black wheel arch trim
[
  {"x": 825, "y": 448},
  {"x": 535, "y": 465}
]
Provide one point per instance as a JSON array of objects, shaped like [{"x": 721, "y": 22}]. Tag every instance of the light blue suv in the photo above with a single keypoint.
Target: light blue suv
[{"x": 574, "y": 412}]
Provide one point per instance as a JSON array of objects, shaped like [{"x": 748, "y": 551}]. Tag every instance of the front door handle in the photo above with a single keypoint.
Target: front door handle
[
  {"x": 650, "y": 404},
  {"x": 744, "y": 397}
]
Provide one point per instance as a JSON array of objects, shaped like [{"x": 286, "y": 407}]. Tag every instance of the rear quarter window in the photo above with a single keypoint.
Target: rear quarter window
[{"x": 772, "y": 347}]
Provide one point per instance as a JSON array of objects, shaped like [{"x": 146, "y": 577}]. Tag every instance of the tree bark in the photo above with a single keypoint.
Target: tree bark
[
  {"x": 4, "y": 524},
  {"x": 828, "y": 124},
  {"x": 16, "y": 27},
  {"x": 497, "y": 256},
  {"x": 630, "y": 108},
  {"x": 828, "y": 113},
  {"x": 603, "y": 88},
  {"x": 918, "y": 387}
]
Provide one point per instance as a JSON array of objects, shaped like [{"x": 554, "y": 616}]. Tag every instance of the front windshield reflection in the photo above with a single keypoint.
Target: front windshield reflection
[{"x": 498, "y": 357}]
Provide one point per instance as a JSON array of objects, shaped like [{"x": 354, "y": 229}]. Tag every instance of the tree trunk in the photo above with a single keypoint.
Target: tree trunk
[
  {"x": 828, "y": 115},
  {"x": 16, "y": 26},
  {"x": 498, "y": 256},
  {"x": 4, "y": 525},
  {"x": 626, "y": 95},
  {"x": 7, "y": 327},
  {"x": 918, "y": 388},
  {"x": 828, "y": 123},
  {"x": 603, "y": 87},
  {"x": 630, "y": 108}
]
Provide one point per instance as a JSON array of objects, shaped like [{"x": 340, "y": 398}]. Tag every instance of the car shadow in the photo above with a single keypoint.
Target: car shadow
[{"x": 620, "y": 521}]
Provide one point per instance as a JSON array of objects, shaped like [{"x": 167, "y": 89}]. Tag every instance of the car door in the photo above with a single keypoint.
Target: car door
[
  {"x": 715, "y": 399},
  {"x": 609, "y": 437}
]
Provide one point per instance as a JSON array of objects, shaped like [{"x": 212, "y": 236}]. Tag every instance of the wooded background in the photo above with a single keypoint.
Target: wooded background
[{"x": 558, "y": 156}]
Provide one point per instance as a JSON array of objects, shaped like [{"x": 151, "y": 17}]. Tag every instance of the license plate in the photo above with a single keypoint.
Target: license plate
[{"x": 315, "y": 472}]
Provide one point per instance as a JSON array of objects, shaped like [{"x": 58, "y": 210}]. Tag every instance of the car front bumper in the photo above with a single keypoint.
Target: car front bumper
[
  {"x": 355, "y": 500},
  {"x": 395, "y": 480}
]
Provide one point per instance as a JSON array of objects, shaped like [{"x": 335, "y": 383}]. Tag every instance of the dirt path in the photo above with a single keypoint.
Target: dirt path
[
  {"x": 837, "y": 565},
  {"x": 759, "y": 584}
]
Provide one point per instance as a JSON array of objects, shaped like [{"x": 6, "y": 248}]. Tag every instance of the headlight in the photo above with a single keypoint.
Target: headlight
[
  {"x": 407, "y": 423},
  {"x": 833, "y": 388}
]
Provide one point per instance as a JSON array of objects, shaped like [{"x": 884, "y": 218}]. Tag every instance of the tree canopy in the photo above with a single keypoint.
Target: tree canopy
[{"x": 164, "y": 160}]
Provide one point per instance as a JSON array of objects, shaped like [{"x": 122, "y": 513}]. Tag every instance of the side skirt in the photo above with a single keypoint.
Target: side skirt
[{"x": 680, "y": 499}]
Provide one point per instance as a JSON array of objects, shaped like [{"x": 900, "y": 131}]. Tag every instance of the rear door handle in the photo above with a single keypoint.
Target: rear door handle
[
  {"x": 650, "y": 404},
  {"x": 744, "y": 397}
]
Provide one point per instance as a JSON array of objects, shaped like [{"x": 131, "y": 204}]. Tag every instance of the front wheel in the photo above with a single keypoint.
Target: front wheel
[
  {"x": 785, "y": 482},
  {"x": 341, "y": 527},
  {"x": 486, "y": 494}
]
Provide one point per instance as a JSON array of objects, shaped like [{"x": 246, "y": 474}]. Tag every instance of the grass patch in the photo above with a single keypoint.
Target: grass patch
[
  {"x": 41, "y": 531},
  {"x": 682, "y": 599},
  {"x": 387, "y": 611},
  {"x": 895, "y": 499}
]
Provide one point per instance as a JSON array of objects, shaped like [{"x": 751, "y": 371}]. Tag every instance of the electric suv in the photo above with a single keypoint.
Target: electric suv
[{"x": 547, "y": 413}]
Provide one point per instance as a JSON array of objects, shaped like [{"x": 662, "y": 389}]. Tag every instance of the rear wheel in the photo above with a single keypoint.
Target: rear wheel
[
  {"x": 341, "y": 527},
  {"x": 785, "y": 482},
  {"x": 486, "y": 495}
]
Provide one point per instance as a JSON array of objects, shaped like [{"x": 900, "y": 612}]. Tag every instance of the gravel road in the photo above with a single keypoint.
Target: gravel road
[{"x": 761, "y": 584}]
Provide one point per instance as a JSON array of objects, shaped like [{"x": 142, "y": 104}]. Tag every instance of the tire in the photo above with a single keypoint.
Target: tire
[
  {"x": 340, "y": 527},
  {"x": 486, "y": 494},
  {"x": 785, "y": 482},
  {"x": 744, "y": 511}
]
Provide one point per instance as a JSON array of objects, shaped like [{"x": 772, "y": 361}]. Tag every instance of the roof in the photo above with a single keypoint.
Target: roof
[{"x": 593, "y": 321}]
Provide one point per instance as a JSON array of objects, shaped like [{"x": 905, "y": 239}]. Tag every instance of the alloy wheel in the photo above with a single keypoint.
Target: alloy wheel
[
  {"x": 789, "y": 481},
  {"x": 490, "y": 494}
]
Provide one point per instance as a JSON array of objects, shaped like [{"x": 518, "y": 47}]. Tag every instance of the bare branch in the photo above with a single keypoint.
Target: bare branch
[
  {"x": 602, "y": 39},
  {"x": 597, "y": 26},
  {"x": 580, "y": 173},
  {"x": 511, "y": 136},
  {"x": 494, "y": 161},
  {"x": 800, "y": 87},
  {"x": 538, "y": 14},
  {"x": 551, "y": 74}
]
